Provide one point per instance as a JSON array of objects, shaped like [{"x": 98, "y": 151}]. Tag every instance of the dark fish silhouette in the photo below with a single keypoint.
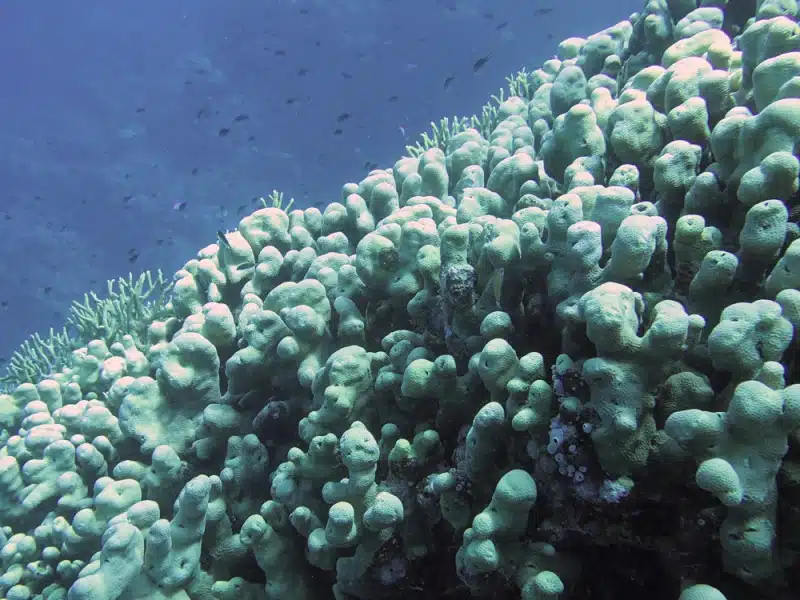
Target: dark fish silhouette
[
  {"x": 542, "y": 11},
  {"x": 223, "y": 132},
  {"x": 394, "y": 98},
  {"x": 480, "y": 63},
  {"x": 240, "y": 118},
  {"x": 448, "y": 81},
  {"x": 223, "y": 240},
  {"x": 346, "y": 75},
  {"x": 272, "y": 424},
  {"x": 343, "y": 117}
]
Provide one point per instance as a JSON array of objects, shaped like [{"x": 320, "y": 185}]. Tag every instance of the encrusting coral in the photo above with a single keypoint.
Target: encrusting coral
[{"x": 551, "y": 353}]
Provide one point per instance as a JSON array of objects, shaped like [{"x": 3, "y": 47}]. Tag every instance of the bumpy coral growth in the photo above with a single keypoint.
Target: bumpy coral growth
[{"x": 551, "y": 351}]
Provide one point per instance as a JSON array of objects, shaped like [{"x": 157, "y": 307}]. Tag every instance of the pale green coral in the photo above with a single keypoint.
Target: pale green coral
[
  {"x": 128, "y": 308},
  {"x": 564, "y": 301}
]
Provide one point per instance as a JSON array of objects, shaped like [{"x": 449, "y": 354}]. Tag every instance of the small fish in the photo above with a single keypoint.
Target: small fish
[
  {"x": 240, "y": 118},
  {"x": 448, "y": 81},
  {"x": 224, "y": 240},
  {"x": 542, "y": 11},
  {"x": 480, "y": 63},
  {"x": 140, "y": 110},
  {"x": 488, "y": 15},
  {"x": 338, "y": 131},
  {"x": 223, "y": 132},
  {"x": 502, "y": 25},
  {"x": 402, "y": 131},
  {"x": 180, "y": 206},
  {"x": 273, "y": 422},
  {"x": 346, "y": 75},
  {"x": 302, "y": 72},
  {"x": 343, "y": 117},
  {"x": 194, "y": 171},
  {"x": 133, "y": 255},
  {"x": 394, "y": 98},
  {"x": 280, "y": 52},
  {"x": 291, "y": 100}
]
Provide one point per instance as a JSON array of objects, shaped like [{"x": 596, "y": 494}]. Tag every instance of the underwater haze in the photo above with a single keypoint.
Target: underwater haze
[{"x": 132, "y": 131}]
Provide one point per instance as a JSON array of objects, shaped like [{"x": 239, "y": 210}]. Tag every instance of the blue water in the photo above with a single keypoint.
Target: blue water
[{"x": 131, "y": 131}]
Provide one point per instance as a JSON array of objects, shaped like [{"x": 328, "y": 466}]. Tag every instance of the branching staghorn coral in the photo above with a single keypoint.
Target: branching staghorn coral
[
  {"x": 442, "y": 132},
  {"x": 275, "y": 200},
  {"x": 128, "y": 308}
]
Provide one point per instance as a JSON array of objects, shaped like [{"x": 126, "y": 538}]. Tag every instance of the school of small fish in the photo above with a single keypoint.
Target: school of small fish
[{"x": 207, "y": 117}]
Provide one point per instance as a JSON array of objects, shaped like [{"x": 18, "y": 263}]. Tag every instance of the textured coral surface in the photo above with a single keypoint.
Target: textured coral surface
[{"x": 550, "y": 353}]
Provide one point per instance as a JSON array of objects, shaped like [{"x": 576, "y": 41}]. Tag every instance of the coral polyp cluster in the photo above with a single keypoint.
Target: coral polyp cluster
[{"x": 551, "y": 353}]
